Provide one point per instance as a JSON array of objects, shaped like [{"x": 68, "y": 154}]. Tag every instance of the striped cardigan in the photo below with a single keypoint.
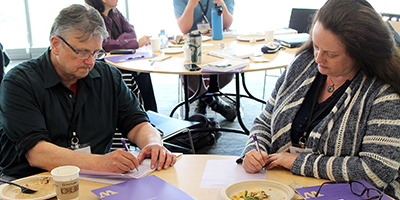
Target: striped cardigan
[{"x": 358, "y": 139}]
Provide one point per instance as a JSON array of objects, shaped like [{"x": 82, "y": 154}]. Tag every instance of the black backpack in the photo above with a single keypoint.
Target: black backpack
[{"x": 200, "y": 138}]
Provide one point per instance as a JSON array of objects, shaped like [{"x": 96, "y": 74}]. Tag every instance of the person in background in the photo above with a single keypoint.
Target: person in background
[
  {"x": 189, "y": 13},
  {"x": 334, "y": 112},
  {"x": 4, "y": 61},
  {"x": 63, "y": 107},
  {"x": 122, "y": 35}
]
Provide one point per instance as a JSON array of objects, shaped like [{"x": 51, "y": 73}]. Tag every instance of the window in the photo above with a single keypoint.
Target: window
[{"x": 34, "y": 19}]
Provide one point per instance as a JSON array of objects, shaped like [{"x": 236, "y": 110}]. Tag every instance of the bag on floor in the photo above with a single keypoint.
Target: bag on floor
[{"x": 200, "y": 139}]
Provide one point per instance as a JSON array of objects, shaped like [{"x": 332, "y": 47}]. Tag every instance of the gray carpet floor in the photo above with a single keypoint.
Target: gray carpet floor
[{"x": 166, "y": 88}]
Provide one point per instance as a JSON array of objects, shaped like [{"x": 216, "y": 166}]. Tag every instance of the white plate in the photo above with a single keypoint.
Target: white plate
[
  {"x": 172, "y": 50},
  {"x": 205, "y": 38},
  {"x": 171, "y": 45},
  {"x": 45, "y": 191},
  {"x": 278, "y": 191},
  {"x": 247, "y": 38}
]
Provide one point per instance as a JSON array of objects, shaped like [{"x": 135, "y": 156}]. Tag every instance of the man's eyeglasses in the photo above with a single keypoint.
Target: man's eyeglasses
[
  {"x": 100, "y": 54},
  {"x": 358, "y": 189}
]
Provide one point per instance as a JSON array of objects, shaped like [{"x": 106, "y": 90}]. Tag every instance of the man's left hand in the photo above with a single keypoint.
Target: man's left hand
[{"x": 157, "y": 153}]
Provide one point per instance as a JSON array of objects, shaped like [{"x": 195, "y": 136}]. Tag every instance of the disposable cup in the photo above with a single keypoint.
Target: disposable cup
[
  {"x": 66, "y": 182},
  {"x": 155, "y": 43},
  {"x": 269, "y": 35},
  {"x": 186, "y": 52}
]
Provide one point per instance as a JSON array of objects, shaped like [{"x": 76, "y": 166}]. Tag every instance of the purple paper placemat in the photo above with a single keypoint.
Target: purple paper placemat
[
  {"x": 150, "y": 187},
  {"x": 334, "y": 192},
  {"x": 130, "y": 57}
]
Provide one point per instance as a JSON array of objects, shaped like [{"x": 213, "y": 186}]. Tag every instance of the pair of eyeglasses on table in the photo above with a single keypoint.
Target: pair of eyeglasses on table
[{"x": 358, "y": 189}]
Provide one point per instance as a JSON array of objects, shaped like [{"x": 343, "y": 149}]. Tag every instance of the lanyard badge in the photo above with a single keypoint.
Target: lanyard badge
[{"x": 84, "y": 148}]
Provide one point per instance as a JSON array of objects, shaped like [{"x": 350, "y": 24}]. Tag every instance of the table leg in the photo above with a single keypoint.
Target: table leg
[{"x": 186, "y": 86}]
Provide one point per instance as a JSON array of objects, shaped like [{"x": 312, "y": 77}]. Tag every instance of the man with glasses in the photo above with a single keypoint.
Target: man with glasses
[{"x": 63, "y": 107}]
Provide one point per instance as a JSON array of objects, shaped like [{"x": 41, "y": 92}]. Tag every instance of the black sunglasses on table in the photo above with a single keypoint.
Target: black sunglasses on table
[{"x": 358, "y": 189}]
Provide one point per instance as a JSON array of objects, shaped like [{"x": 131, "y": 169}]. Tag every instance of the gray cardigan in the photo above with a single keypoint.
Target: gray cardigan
[{"x": 358, "y": 139}]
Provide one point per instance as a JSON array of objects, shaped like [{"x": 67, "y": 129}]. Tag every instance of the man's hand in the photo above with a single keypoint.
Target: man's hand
[
  {"x": 118, "y": 161},
  {"x": 254, "y": 161},
  {"x": 157, "y": 152}
]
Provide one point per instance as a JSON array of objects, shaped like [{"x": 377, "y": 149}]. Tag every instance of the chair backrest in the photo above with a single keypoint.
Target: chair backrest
[
  {"x": 129, "y": 80},
  {"x": 301, "y": 19}
]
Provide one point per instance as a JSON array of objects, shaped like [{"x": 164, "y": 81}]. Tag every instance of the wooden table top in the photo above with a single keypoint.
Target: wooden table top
[
  {"x": 175, "y": 64},
  {"x": 187, "y": 175}
]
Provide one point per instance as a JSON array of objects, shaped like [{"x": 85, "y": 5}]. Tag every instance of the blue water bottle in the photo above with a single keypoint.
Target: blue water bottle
[{"x": 216, "y": 22}]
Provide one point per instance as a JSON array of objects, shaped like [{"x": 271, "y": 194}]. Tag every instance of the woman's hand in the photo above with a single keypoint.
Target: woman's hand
[
  {"x": 144, "y": 41},
  {"x": 285, "y": 160},
  {"x": 254, "y": 161}
]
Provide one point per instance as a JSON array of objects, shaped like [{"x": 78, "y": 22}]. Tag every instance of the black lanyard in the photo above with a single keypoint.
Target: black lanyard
[
  {"x": 202, "y": 9},
  {"x": 74, "y": 139}
]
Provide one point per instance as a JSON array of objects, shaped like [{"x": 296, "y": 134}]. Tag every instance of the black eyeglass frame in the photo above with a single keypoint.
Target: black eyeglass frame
[
  {"x": 379, "y": 197},
  {"x": 100, "y": 54}
]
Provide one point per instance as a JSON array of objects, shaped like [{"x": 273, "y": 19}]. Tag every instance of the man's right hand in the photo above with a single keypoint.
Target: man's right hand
[{"x": 118, "y": 161}]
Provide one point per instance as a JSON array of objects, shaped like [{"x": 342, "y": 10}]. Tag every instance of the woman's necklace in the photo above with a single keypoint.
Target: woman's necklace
[{"x": 331, "y": 88}]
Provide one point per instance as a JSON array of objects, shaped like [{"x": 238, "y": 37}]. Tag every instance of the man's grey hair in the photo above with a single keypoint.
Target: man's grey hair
[{"x": 79, "y": 18}]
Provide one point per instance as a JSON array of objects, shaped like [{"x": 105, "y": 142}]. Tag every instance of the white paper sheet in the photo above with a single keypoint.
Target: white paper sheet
[
  {"x": 221, "y": 173},
  {"x": 144, "y": 169}
]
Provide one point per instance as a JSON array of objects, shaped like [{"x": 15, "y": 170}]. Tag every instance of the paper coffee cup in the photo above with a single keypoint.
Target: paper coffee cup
[
  {"x": 66, "y": 182},
  {"x": 269, "y": 35},
  {"x": 155, "y": 43}
]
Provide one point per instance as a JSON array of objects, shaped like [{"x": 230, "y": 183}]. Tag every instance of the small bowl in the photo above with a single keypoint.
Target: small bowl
[{"x": 278, "y": 191}]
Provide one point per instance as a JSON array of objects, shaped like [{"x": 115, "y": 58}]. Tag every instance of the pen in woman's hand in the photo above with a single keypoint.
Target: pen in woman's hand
[
  {"x": 256, "y": 143},
  {"x": 126, "y": 148},
  {"x": 257, "y": 146}
]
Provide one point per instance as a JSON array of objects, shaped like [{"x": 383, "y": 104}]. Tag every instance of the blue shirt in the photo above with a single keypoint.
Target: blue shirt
[
  {"x": 180, "y": 5},
  {"x": 36, "y": 105}
]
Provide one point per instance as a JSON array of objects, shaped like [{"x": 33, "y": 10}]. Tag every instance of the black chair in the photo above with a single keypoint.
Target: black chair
[
  {"x": 301, "y": 19},
  {"x": 167, "y": 126}
]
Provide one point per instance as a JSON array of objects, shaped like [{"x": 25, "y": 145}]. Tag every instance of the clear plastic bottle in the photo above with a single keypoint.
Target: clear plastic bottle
[{"x": 164, "y": 39}]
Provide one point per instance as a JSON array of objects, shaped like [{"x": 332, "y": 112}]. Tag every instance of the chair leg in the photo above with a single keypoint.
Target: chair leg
[{"x": 191, "y": 142}]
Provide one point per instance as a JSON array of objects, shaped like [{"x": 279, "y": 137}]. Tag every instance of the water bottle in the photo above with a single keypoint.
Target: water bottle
[
  {"x": 164, "y": 39},
  {"x": 216, "y": 22}
]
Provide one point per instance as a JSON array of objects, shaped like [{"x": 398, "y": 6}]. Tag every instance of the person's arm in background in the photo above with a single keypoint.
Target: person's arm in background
[
  {"x": 185, "y": 21},
  {"x": 227, "y": 16},
  {"x": 128, "y": 37}
]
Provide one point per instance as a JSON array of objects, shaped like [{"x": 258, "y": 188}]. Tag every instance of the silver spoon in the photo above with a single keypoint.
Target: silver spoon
[{"x": 23, "y": 189}]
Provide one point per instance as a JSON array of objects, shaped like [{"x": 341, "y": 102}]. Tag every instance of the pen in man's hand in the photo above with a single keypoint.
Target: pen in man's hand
[{"x": 126, "y": 148}]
